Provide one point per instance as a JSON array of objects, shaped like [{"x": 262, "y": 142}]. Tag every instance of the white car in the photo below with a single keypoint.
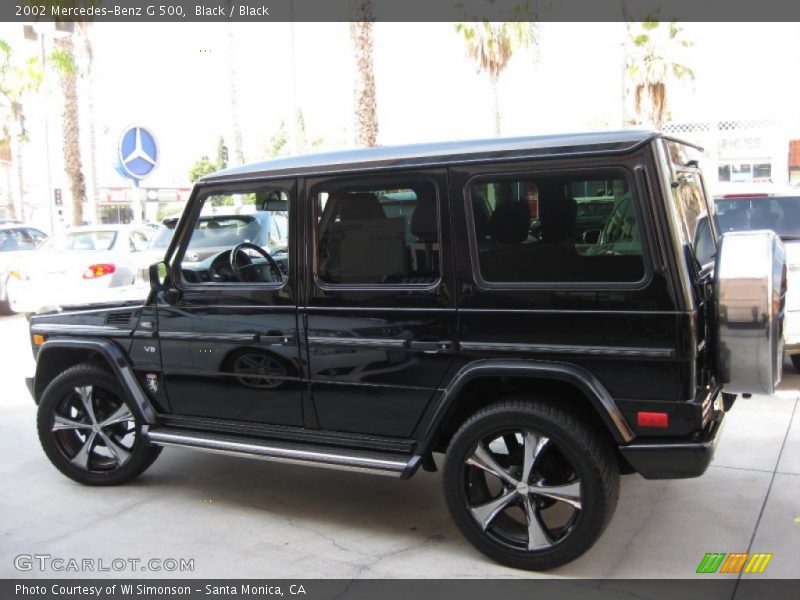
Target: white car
[
  {"x": 779, "y": 210},
  {"x": 16, "y": 240},
  {"x": 82, "y": 265}
]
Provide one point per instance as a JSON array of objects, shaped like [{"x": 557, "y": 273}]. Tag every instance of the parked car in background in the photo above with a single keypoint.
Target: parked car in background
[
  {"x": 80, "y": 265},
  {"x": 213, "y": 233},
  {"x": 755, "y": 208},
  {"x": 15, "y": 239}
]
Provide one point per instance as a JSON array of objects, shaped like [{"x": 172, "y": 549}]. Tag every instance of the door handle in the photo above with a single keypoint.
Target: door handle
[
  {"x": 432, "y": 347},
  {"x": 275, "y": 339}
]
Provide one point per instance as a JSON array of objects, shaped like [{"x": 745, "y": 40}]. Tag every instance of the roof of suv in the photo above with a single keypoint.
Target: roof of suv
[{"x": 383, "y": 157}]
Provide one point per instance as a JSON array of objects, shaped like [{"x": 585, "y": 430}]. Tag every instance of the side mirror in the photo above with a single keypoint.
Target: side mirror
[
  {"x": 158, "y": 276},
  {"x": 591, "y": 236}
]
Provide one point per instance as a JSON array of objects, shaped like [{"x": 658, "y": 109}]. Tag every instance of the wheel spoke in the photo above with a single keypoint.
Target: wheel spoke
[
  {"x": 511, "y": 442},
  {"x": 85, "y": 394},
  {"x": 534, "y": 444},
  {"x": 81, "y": 459},
  {"x": 120, "y": 415},
  {"x": 485, "y": 513},
  {"x": 121, "y": 454},
  {"x": 249, "y": 362},
  {"x": 537, "y": 536},
  {"x": 60, "y": 423},
  {"x": 569, "y": 493},
  {"x": 483, "y": 459}
]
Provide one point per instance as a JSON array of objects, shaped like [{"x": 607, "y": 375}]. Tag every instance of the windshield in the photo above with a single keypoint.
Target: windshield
[
  {"x": 81, "y": 241},
  {"x": 212, "y": 231},
  {"x": 781, "y": 214}
]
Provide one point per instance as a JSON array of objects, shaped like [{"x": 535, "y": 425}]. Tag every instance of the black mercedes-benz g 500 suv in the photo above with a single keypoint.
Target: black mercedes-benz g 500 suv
[{"x": 439, "y": 298}]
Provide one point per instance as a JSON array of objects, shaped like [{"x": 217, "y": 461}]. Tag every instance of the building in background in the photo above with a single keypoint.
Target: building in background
[{"x": 742, "y": 151}]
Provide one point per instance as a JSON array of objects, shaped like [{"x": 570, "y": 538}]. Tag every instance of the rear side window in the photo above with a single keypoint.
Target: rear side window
[
  {"x": 556, "y": 228},
  {"x": 380, "y": 234}
]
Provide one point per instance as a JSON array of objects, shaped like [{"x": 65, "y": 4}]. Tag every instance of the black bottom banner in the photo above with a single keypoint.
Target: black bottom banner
[{"x": 389, "y": 589}]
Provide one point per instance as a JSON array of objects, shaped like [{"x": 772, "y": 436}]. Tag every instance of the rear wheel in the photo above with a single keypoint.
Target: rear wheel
[
  {"x": 529, "y": 485},
  {"x": 89, "y": 430}
]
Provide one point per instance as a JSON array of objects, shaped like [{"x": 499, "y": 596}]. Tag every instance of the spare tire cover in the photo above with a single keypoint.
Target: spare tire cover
[{"x": 750, "y": 292}]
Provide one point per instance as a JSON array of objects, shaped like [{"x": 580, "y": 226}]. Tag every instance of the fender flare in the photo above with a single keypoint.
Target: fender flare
[
  {"x": 118, "y": 363},
  {"x": 587, "y": 383}
]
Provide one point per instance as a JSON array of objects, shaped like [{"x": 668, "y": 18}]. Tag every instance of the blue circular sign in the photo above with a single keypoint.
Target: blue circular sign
[{"x": 137, "y": 153}]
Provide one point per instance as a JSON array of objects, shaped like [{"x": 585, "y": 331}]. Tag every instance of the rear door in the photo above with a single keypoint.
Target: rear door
[{"x": 379, "y": 311}]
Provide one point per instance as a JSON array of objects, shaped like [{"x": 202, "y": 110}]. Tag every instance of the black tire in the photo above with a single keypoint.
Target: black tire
[
  {"x": 108, "y": 454},
  {"x": 569, "y": 458},
  {"x": 795, "y": 358}
]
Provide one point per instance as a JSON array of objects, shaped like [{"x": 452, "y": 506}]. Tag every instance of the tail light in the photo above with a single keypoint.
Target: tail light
[{"x": 101, "y": 270}]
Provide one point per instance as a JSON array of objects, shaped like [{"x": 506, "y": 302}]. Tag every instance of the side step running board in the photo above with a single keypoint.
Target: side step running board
[{"x": 394, "y": 465}]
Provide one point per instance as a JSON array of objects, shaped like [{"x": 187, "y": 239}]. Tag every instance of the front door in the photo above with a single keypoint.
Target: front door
[
  {"x": 379, "y": 307},
  {"x": 229, "y": 342}
]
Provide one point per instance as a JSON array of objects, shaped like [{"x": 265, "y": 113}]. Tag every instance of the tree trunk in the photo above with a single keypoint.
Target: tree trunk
[
  {"x": 495, "y": 105},
  {"x": 366, "y": 106},
  {"x": 71, "y": 132},
  {"x": 88, "y": 53},
  {"x": 236, "y": 130}
]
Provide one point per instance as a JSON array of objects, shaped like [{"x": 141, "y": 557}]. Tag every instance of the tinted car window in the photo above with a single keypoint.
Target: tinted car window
[
  {"x": 13, "y": 240},
  {"x": 537, "y": 230},
  {"x": 387, "y": 234},
  {"x": 778, "y": 213}
]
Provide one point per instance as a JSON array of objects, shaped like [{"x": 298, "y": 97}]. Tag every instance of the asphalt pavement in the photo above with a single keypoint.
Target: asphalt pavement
[{"x": 243, "y": 518}]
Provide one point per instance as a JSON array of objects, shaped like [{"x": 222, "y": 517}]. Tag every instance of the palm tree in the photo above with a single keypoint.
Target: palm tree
[
  {"x": 87, "y": 55},
  {"x": 491, "y": 45},
  {"x": 233, "y": 92},
  {"x": 654, "y": 49},
  {"x": 64, "y": 59},
  {"x": 366, "y": 105},
  {"x": 16, "y": 80}
]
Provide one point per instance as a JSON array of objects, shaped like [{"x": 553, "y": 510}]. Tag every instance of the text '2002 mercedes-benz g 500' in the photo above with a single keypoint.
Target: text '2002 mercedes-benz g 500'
[{"x": 549, "y": 312}]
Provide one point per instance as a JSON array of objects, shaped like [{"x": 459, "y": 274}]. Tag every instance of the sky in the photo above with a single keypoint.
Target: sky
[{"x": 174, "y": 79}]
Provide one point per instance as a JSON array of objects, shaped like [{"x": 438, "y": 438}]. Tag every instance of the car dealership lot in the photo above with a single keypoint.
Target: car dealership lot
[{"x": 244, "y": 518}]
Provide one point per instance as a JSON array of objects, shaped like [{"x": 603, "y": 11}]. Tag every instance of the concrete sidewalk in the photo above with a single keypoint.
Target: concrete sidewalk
[{"x": 240, "y": 518}]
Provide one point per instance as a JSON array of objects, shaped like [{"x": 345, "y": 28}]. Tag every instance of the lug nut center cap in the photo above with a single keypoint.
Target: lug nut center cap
[{"x": 522, "y": 487}]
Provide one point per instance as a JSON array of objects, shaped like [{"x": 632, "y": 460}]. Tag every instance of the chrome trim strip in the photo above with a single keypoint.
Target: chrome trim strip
[
  {"x": 208, "y": 337},
  {"x": 570, "y": 311},
  {"x": 359, "y": 342},
  {"x": 421, "y": 309},
  {"x": 68, "y": 309},
  {"x": 201, "y": 374},
  {"x": 628, "y": 351},
  {"x": 65, "y": 328},
  {"x": 354, "y": 460}
]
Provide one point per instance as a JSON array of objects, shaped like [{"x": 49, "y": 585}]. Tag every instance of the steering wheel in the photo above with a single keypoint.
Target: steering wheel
[{"x": 239, "y": 270}]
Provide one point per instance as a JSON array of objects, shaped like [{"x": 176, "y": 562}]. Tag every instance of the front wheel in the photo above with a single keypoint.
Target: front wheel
[
  {"x": 529, "y": 485},
  {"x": 89, "y": 430}
]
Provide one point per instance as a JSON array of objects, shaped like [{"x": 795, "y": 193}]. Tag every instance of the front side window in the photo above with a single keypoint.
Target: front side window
[
  {"x": 556, "y": 228},
  {"x": 379, "y": 234},
  {"x": 232, "y": 240}
]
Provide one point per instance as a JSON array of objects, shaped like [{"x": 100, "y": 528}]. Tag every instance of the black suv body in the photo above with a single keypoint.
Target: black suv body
[{"x": 417, "y": 312}]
